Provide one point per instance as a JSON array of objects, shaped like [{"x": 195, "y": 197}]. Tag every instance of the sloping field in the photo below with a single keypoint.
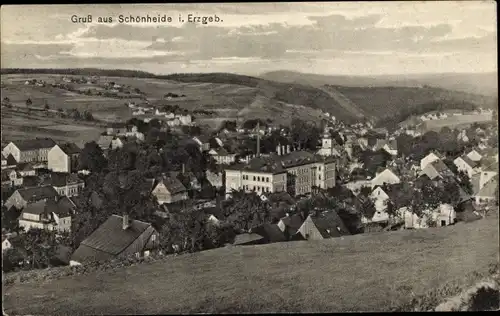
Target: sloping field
[
  {"x": 386, "y": 101},
  {"x": 375, "y": 272},
  {"x": 17, "y": 126}
]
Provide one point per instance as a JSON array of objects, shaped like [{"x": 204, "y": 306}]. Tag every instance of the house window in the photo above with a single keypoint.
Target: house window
[
  {"x": 153, "y": 237},
  {"x": 267, "y": 179},
  {"x": 253, "y": 178},
  {"x": 267, "y": 189},
  {"x": 258, "y": 178},
  {"x": 320, "y": 177}
]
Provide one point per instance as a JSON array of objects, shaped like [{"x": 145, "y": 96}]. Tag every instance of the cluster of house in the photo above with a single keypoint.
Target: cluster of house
[
  {"x": 34, "y": 82},
  {"x": 148, "y": 113},
  {"x": 117, "y": 135},
  {"x": 280, "y": 178},
  {"x": 43, "y": 177}
]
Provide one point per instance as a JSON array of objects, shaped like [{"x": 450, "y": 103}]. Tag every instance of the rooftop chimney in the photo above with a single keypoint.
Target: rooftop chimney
[{"x": 126, "y": 222}]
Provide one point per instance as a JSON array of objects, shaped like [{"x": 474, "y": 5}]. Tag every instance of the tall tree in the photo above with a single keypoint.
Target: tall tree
[{"x": 92, "y": 158}]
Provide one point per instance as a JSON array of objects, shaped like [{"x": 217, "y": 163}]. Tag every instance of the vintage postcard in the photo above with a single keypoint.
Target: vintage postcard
[{"x": 266, "y": 157}]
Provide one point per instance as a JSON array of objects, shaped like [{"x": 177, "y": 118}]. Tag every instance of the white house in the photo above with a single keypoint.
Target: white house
[
  {"x": 184, "y": 119},
  {"x": 63, "y": 158},
  {"x": 428, "y": 159},
  {"x": 465, "y": 164},
  {"x": 385, "y": 177},
  {"x": 222, "y": 156},
  {"x": 484, "y": 187},
  {"x": 138, "y": 112},
  {"x": 380, "y": 199},
  {"x": 445, "y": 215},
  {"x": 6, "y": 244}
]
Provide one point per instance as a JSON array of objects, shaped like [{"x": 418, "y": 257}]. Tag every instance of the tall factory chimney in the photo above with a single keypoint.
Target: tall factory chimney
[{"x": 258, "y": 138}]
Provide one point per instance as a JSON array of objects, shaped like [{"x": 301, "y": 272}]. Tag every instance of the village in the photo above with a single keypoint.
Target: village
[{"x": 147, "y": 186}]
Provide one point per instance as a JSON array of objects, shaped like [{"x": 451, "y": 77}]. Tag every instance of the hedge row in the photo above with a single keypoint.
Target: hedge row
[{"x": 35, "y": 276}]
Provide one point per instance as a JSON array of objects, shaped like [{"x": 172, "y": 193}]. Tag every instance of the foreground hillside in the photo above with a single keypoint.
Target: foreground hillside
[{"x": 377, "y": 272}]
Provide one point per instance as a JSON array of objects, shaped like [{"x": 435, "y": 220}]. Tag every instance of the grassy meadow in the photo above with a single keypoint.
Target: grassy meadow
[{"x": 375, "y": 272}]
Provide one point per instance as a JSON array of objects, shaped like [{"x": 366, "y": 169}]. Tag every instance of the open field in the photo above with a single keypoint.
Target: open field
[
  {"x": 222, "y": 90},
  {"x": 19, "y": 126},
  {"x": 455, "y": 121},
  {"x": 373, "y": 272}
]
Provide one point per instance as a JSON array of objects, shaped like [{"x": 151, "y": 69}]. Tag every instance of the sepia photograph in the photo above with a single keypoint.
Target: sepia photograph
[{"x": 271, "y": 157}]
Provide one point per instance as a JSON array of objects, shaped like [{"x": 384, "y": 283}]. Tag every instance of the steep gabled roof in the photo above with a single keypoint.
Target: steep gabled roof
[
  {"x": 329, "y": 224},
  {"x": 70, "y": 148},
  {"x": 270, "y": 232},
  {"x": 469, "y": 161},
  {"x": 293, "y": 222},
  {"x": 11, "y": 161},
  {"x": 38, "y": 193},
  {"x": 110, "y": 239},
  {"x": 173, "y": 185},
  {"x": 64, "y": 179}
]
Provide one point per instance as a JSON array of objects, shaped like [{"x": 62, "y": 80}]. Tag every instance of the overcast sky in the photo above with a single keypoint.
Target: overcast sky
[{"x": 358, "y": 38}]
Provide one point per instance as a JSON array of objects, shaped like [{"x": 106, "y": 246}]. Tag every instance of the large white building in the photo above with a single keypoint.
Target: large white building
[
  {"x": 34, "y": 150},
  {"x": 297, "y": 172}
]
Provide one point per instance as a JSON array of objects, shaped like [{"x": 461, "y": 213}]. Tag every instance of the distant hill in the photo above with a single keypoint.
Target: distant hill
[
  {"x": 350, "y": 99},
  {"x": 483, "y": 83}
]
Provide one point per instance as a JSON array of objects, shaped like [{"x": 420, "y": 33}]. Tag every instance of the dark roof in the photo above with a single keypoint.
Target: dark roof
[
  {"x": 38, "y": 143},
  {"x": 270, "y": 232},
  {"x": 469, "y": 161},
  {"x": 31, "y": 181},
  {"x": 35, "y": 208},
  {"x": 110, "y": 239},
  {"x": 26, "y": 166},
  {"x": 11, "y": 161},
  {"x": 38, "y": 193},
  {"x": 173, "y": 185},
  {"x": 63, "y": 179},
  {"x": 327, "y": 223},
  {"x": 64, "y": 207},
  {"x": 70, "y": 148},
  {"x": 436, "y": 169},
  {"x": 293, "y": 222},
  {"x": 260, "y": 164}
]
